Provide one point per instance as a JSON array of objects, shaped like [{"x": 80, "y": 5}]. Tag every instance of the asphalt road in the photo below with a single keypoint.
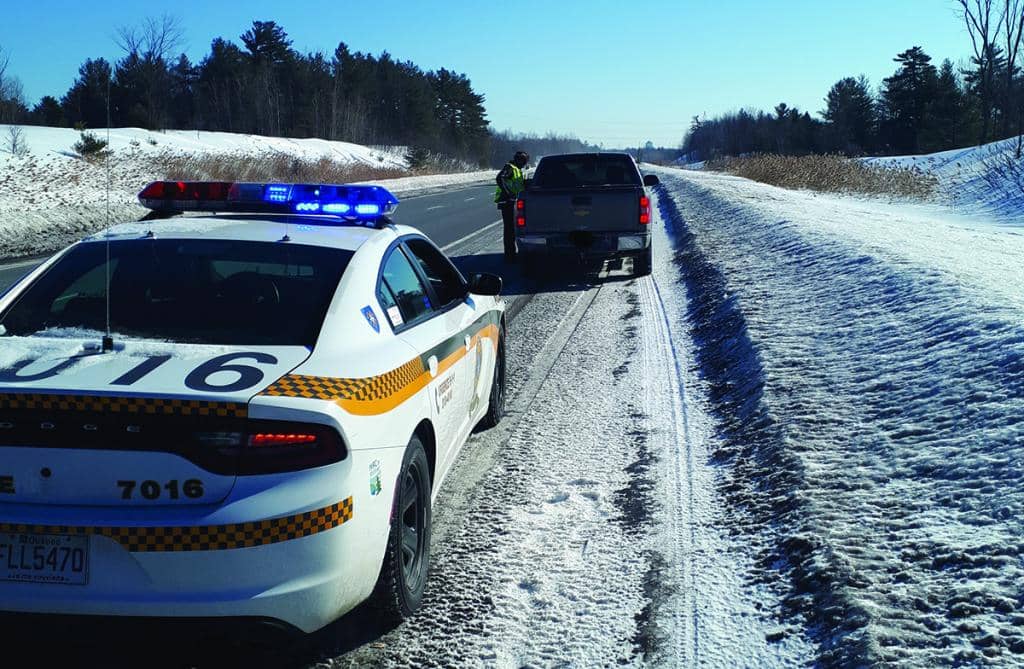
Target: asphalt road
[{"x": 446, "y": 217}]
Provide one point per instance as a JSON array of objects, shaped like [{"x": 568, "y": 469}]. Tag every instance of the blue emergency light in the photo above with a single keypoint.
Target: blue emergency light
[{"x": 353, "y": 203}]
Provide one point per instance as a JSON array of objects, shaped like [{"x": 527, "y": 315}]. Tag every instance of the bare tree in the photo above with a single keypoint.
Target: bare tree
[
  {"x": 979, "y": 17},
  {"x": 14, "y": 142},
  {"x": 12, "y": 95},
  {"x": 1013, "y": 29},
  {"x": 155, "y": 39}
]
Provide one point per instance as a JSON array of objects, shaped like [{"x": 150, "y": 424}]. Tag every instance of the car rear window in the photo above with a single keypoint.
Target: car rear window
[
  {"x": 195, "y": 291},
  {"x": 585, "y": 170}
]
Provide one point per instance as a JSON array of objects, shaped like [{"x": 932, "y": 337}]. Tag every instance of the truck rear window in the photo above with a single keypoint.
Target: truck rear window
[
  {"x": 581, "y": 171},
  {"x": 195, "y": 291}
]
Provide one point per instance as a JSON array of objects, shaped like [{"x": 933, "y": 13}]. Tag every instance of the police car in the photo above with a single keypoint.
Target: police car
[{"x": 244, "y": 414}]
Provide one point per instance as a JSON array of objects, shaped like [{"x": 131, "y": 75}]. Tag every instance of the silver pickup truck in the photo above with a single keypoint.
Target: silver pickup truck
[{"x": 588, "y": 206}]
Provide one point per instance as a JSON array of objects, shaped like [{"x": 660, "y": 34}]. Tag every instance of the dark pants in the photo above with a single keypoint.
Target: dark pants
[{"x": 508, "y": 218}]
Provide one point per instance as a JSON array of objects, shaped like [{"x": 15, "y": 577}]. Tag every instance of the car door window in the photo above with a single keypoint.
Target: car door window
[
  {"x": 446, "y": 281},
  {"x": 401, "y": 293}
]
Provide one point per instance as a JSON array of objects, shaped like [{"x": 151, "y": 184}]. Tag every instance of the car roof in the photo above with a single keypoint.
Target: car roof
[{"x": 323, "y": 231}]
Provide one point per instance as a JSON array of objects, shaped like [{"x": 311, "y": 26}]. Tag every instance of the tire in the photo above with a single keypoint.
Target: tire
[
  {"x": 496, "y": 402},
  {"x": 403, "y": 576},
  {"x": 642, "y": 263}
]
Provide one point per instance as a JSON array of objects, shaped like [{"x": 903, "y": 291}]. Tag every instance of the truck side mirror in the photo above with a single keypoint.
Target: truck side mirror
[{"x": 651, "y": 180}]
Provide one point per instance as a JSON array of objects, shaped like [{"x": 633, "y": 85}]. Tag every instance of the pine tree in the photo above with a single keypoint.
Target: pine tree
[
  {"x": 182, "y": 76},
  {"x": 904, "y": 100},
  {"x": 850, "y": 112},
  {"x": 981, "y": 83},
  {"x": 85, "y": 103},
  {"x": 47, "y": 112},
  {"x": 945, "y": 116}
]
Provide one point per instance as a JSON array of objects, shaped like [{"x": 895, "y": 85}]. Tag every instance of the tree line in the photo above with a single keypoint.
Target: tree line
[
  {"x": 264, "y": 86},
  {"x": 921, "y": 108}
]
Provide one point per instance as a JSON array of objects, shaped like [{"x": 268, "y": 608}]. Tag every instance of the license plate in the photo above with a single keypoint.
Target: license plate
[{"x": 44, "y": 558}]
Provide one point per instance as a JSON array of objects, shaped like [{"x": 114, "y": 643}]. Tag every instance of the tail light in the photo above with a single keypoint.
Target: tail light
[
  {"x": 520, "y": 213},
  {"x": 270, "y": 447},
  {"x": 222, "y": 446},
  {"x": 645, "y": 210}
]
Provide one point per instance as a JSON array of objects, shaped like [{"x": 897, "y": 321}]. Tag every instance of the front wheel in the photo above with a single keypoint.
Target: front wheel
[
  {"x": 496, "y": 403},
  {"x": 403, "y": 576}
]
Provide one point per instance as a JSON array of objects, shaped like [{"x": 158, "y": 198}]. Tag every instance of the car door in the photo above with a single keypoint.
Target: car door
[
  {"x": 410, "y": 307},
  {"x": 460, "y": 353}
]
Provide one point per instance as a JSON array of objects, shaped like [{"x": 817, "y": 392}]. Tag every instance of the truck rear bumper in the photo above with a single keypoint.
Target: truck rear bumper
[{"x": 584, "y": 244}]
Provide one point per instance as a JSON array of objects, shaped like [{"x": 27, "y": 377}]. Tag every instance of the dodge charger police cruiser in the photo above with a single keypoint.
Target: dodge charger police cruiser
[{"x": 245, "y": 414}]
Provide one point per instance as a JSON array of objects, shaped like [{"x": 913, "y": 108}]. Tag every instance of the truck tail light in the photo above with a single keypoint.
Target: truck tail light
[
  {"x": 645, "y": 210},
  {"x": 520, "y": 213}
]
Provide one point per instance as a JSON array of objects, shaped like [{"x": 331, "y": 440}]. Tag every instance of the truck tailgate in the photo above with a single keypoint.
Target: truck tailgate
[{"x": 591, "y": 209}]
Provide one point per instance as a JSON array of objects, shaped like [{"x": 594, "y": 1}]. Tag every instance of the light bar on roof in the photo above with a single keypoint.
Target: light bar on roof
[{"x": 349, "y": 202}]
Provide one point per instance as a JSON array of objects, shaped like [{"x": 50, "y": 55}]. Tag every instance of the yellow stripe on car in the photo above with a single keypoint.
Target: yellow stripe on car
[
  {"x": 373, "y": 395},
  {"x": 206, "y": 537}
]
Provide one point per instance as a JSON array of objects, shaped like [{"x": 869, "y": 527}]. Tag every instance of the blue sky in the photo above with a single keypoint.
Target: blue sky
[{"x": 617, "y": 73}]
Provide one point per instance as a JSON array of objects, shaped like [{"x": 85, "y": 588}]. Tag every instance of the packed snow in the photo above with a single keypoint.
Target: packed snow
[
  {"x": 51, "y": 197},
  {"x": 865, "y": 363}
]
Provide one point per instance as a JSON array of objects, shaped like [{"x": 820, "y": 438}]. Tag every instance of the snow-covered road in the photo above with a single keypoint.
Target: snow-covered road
[{"x": 584, "y": 531}]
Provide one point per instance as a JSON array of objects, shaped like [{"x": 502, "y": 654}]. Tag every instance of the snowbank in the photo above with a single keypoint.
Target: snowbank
[
  {"x": 988, "y": 178},
  {"x": 866, "y": 363},
  {"x": 50, "y": 197}
]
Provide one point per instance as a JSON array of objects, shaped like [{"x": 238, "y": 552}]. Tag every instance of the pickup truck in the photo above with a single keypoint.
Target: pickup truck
[{"x": 588, "y": 206}]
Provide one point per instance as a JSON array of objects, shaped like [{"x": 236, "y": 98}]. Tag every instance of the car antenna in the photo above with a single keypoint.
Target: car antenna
[{"x": 107, "y": 343}]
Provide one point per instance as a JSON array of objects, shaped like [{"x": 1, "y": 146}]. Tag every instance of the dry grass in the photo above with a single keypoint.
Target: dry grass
[
  {"x": 830, "y": 173},
  {"x": 276, "y": 166},
  {"x": 267, "y": 167}
]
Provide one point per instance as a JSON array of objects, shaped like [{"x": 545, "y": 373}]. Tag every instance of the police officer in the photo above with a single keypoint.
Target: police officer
[{"x": 510, "y": 184}]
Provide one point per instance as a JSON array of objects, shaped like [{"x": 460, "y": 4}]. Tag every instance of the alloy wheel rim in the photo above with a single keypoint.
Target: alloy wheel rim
[{"x": 412, "y": 528}]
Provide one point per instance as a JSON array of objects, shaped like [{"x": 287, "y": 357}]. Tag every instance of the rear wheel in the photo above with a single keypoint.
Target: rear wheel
[
  {"x": 642, "y": 263},
  {"x": 403, "y": 576},
  {"x": 496, "y": 404}
]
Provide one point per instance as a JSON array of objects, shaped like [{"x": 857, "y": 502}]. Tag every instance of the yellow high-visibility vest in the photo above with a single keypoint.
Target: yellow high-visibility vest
[{"x": 517, "y": 184}]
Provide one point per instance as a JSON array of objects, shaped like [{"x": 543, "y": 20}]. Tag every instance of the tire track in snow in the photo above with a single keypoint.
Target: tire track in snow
[{"x": 685, "y": 629}]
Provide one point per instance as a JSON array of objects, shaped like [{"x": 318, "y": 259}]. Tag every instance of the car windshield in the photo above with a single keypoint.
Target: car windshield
[
  {"x": 194, "y": 291},
  {"x": 574, "y": 171}
]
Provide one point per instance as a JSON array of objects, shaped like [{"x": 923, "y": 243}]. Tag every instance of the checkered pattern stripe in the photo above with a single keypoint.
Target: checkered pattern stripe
[
  {"x": 129, "y": 405},
  {"x": 367, "y": 389},
  {"x": 206, "y": 537}
]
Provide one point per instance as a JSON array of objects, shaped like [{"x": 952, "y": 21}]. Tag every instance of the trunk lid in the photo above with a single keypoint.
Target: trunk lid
[{"x": 135, "y": 426}]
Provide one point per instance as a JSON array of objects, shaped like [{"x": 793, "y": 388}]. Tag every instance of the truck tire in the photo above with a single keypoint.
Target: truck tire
[
  {"x": 403, "y": 576},
  {"x": 642, "y": 263}
]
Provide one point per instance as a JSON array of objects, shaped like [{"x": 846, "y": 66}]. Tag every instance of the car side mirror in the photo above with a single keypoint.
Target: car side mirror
[
  {"x": 651, "y": 180},
  {"x": 485, "y": 284}
]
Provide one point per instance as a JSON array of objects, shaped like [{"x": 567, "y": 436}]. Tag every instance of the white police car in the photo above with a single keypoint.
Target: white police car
[{"x": 241, "y": 415}]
